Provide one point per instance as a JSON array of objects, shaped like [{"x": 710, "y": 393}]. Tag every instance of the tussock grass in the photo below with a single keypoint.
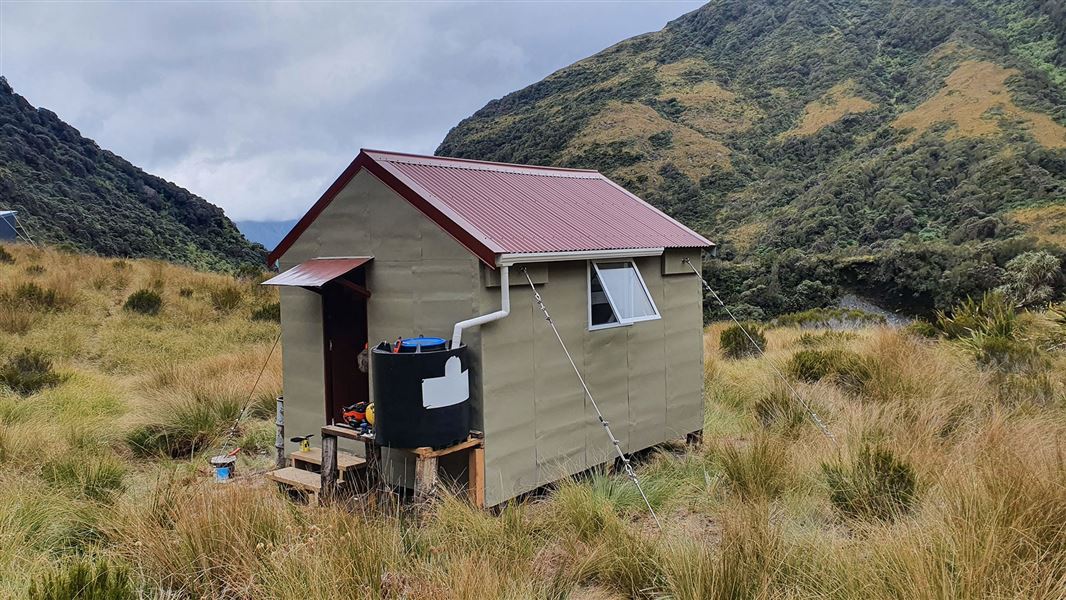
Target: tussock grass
[{"x": 751, "y": 514}]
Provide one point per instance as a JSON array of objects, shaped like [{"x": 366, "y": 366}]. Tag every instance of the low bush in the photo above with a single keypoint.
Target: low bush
[
  {"x": 33, "y": 296},
  {"x": 735, "y": 343},
  {"x": 145, "y": 302},
  {"x": 844, "y": 366},
  {"x": 922, "y": 329},
  {"x": 876, "y": 485},
  {"x": 5, "y": 256},
  {"x": 991, "y": 315},
  {"x": 225, "y": 298},
  {"x": 29, "y": 372},
  {"x": 83, "y": 580},
  {"x": 829, "y": 317},
  {"x": 94, "y": 477},
  {"x": 757, "y": 470},
  {"x": 268, "y": 312}
]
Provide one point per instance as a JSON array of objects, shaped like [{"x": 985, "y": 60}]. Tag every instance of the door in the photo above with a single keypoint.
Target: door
[{"x": 345, "y": 336}]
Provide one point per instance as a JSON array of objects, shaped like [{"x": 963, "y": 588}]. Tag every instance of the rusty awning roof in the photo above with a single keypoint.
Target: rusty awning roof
[{"x": 318, "y": 271}]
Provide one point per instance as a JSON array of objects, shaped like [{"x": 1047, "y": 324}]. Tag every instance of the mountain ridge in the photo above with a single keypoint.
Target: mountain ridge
[
  {"x": 70, "y": 191},
  {"x": 826, "y": 145}
]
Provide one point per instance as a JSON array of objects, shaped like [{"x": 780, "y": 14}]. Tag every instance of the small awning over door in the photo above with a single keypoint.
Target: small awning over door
[{"x": 317, "y": 272}]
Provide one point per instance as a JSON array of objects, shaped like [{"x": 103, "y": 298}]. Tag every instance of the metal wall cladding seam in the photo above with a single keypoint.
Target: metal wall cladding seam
[
  {"x": 508, "y": 393},
  {"x": 647, "y": 367},
  {"x": 606, "y": 372},
  {"x": 683, "y": 318},
  {"x": 560, "y": 399}
]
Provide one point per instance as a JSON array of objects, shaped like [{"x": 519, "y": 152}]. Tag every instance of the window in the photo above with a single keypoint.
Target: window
[{"x": 617, "y": 295}]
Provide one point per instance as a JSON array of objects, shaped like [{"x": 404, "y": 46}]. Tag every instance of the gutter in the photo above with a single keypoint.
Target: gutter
[{"x": 505, "y": 309}]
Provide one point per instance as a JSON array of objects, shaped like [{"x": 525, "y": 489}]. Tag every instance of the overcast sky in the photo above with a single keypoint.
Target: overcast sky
[{"x": 258, "y": 107}]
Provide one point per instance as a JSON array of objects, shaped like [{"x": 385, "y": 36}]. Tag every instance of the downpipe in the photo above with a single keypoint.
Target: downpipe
[{"x": 505, "y": 309}]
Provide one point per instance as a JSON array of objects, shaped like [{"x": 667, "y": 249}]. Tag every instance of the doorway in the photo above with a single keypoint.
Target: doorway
[{"x": 344, "y": 321}]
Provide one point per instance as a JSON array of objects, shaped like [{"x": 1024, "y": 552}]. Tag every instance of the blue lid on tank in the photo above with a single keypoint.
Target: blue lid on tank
[{"x": 423, "y": 343}]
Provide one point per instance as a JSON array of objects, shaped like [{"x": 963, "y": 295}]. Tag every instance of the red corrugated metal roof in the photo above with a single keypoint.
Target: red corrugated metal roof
[
  {"x": 497, "y": 208},
  {"x": 317, "y": 271}
]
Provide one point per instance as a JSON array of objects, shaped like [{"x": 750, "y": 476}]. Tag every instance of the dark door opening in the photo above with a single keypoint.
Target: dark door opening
[{"x": 345, "y": 336}]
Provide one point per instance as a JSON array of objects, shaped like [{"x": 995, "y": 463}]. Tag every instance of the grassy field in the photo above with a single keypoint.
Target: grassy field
[{"x": 947, "y": 478}]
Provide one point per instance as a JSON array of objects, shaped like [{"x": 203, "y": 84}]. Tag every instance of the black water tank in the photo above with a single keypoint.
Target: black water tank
[{"x": 420, "y": 398}]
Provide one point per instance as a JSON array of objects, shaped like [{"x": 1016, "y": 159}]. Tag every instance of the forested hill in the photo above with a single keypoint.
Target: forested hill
[
  {"x": 69, "y": 191},
  {"x": 908, "y": 149}
]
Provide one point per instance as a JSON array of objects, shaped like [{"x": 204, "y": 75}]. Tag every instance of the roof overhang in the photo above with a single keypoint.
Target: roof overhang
[
  {"x": 317, "y": 272},
  {"x": 507, "y": 260}
]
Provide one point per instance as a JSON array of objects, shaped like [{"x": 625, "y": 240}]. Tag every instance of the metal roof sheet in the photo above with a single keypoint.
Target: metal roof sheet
[
  {"x": 4, "y": 213},
  {"x": 498, "y": 208},
  {"x": 317, "y": 271},
  {"x": 517, "y": 208}
]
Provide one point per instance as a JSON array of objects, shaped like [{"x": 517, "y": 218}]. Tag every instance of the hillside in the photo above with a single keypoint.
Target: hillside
[
  {"x": 70, "y": 191},
  {"x": 950, "y": 489},
  {"x": 906, "y": 150}
]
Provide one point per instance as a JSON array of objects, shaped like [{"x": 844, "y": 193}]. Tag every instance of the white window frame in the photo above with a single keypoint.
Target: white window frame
[{"x": 594, "y": 264}]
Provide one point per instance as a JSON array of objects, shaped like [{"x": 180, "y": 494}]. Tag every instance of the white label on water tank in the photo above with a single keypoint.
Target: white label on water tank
[{"x": 453, "y": 388}]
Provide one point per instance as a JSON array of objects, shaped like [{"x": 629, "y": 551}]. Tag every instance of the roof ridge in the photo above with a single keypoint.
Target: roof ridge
[{"x": 502, "y": 165}]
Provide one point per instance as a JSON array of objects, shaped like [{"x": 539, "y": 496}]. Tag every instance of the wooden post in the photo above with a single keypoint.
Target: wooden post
[
  {"x": 695, "y": 439},
  {"x": 476, "y": 477},
  {"x": 279, "y": 436},
  {"x": 425, "y": 478},
  {"x": 329, "y": 469}
]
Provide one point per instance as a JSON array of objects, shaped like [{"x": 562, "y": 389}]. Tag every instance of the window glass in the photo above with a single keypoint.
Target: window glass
[
  {"x": 600, "y": 312},
  {"x": 625, "y": 290}
]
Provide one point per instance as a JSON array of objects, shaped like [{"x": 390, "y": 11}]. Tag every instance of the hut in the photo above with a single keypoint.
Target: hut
[
  {"x": 403, "y": 246},
  {"x": 8, "y": 226}
]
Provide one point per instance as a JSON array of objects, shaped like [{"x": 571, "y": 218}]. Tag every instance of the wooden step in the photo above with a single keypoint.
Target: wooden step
[
  {"x": 313, "y": 456},
  {"x": 298, "y": 479}
]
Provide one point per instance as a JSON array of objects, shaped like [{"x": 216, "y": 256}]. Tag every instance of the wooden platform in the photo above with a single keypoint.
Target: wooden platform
[
  {"x": 297, "y": 479},
  {"x": 313, "y": 456}
]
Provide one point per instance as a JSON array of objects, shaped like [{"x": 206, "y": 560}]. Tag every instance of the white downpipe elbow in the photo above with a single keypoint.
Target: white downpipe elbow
[{"x": 505, "y": 309}]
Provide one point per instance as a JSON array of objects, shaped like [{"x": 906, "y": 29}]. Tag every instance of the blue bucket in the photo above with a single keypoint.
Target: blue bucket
[
  {"x": 223, "y": 466},
  {"x": 423, "y": 344}
]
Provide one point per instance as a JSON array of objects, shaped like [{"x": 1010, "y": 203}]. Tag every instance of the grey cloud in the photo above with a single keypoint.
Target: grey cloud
[{"x": 257, "y": 107}]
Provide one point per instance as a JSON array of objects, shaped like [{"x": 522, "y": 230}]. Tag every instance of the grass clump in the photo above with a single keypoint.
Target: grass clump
[
  {"x": 759, "y": 469},
  {"x": 991, "y": 315},
  {"x": 34, "y": 270},
  {"x": 189, "y": 427},
  {"x": 226, "y": 298},
  {"x": 845, "y": 367},
  {"x": 83, "y": 580},
  {"x": 185, "y": 292},
  {"x": 268, "y": 312},
  {"x": 93, "y": 477},
  {"x": 779, "y": 410},
  {"x": 833, "y": 318},
  {"x": 145, "y": 302},
  {"x": 35, "y": 297},
  {"x": 735, "y": 344},
  {"x": 824, "y": 338},
  {"x": 29, "y": 372},
  {"x": 876, "y": 485},
  {"x": 5, "y": 256}
]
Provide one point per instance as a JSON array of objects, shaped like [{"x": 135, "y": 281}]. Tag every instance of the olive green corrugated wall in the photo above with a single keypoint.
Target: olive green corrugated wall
[{"x": 647, "y": 378}]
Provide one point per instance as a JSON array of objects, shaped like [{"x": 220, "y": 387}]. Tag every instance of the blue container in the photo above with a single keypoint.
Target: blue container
[
  {"x": 224, "y": 467},
  {"x": 222, "y": 474},
  {"x": 423, "y": 344}
]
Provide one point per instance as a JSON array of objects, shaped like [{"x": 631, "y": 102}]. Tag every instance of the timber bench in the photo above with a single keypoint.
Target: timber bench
[{"x": 426, "y": 472}]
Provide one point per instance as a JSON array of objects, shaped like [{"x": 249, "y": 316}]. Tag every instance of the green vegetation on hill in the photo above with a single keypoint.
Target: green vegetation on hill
[
  {"x": 908, "y": 150},
  {"x": 71, "y": 192}
]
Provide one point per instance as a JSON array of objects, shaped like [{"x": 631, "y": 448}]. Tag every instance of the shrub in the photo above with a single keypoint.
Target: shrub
[
  {"x": 829, "y": 317},
  {"x": 93, "y": 477},
  {"x": 1029, "y": 278},
  {"x": 29, "y": 372},
  {"x": 758, "y": 470},
  {"x": 226, "y": 298},
  {"x": 145, "y": 302},
  {"x": 922, "y": 329},
  {"x": 877, "y": 485},
  {"x": 846, "y": 368},
  {"x": 825, "y": 338},
  {"x": 5, "y": 256},
  {"x": 991, "y": 315},
  {"x": 83, "y": 580},
  {"x": 31, "y": 295},
  {"x": 268, "y": 312},
  {"x": 735, "y": 344}
]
